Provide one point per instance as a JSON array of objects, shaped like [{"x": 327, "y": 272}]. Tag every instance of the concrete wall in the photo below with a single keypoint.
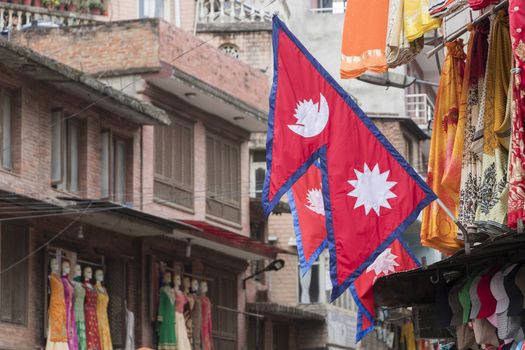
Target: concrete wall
[{"x": 321, "y": 34}]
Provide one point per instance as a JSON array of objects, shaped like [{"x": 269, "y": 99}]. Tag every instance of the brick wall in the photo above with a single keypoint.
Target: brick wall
[
  {"x": 32, "y": 140},
  {"x": 255, "y": 48},
  {"x": 143, "y": 44}
]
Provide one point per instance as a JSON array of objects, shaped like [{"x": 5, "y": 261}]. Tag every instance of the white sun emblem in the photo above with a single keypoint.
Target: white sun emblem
[
  {"x": 385, "y": 263},
  {"x": 372, "y": 189},
  {"x": 315, "y": 201}
]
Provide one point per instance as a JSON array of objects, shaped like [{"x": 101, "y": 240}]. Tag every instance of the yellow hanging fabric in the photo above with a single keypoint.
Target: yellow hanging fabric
[{"x": 438, "y": 230}]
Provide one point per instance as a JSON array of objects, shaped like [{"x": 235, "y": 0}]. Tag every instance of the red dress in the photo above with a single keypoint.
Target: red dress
[
  {"x": 206, "y": 335},
  {"x": 517, "y": 154},
  {"x": 90, "y": 314}
]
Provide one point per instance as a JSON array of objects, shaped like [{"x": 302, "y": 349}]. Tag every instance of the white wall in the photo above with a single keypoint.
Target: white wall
[{"x": 321, "y": 34}]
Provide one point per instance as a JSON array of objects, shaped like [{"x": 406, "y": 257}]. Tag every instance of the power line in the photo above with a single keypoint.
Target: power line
[{"x": 45, "y": 244}]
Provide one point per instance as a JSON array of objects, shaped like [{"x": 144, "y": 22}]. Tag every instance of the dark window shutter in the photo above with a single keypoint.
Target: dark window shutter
[
  {"x": 13, "y": 282},
  {"x": 174, "y": 163}
]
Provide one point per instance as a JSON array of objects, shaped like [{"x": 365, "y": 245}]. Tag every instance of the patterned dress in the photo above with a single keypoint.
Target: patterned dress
[
  {"x": 183, "y": 342},
  {"x": 80, "y": 296},
  {"x": 166, "y": 319},
  {"x": 90, "y": 314},
  {"x": 188, "y": 310},
  {"x": 102, "y": 317},
  {"x": 71, "y": 327},
  {"x": 494, "y": 187},
  {"x": 57, "y": 334}
]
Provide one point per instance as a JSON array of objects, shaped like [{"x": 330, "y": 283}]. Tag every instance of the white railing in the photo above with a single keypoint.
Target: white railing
[
  {"x": 229, "y": 11},
  {"x": 15, "y": 17},
  {"x": 337, "y": 7},
  {"x": 419, "y": 108}
]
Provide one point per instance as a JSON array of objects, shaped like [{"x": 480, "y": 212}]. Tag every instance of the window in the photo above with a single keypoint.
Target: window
[
  {"x": 64, "y": 152},
  {"x": 257, "y": 173},
  {"x": 223, "y": 174},
  {"x": 154, "y": 9},
  {"x": 328, "y": 6},
  {"x": 230, "y": 49},
  {"x": 13, "y": 282},
  {"x": 174, "y": 163},
  {"x": 309, "y": 286},
  {"x": 113, "y": 177},
  {"x": 6, "y": 111}
]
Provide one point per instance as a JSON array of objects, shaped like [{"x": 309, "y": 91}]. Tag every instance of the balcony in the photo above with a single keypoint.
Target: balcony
[
  {"x": 420, "y": 109},
  {"x": 221, "y": 14},
  {"x": 18, "y": 17}
]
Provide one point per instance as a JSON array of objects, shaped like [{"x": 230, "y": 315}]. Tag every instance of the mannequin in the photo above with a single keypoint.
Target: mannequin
[
  {"x": 188, "y": 307},
  {"x": 183, "y": 342},
  {"x": 90, "y": 312},
  {"x": 80, "y": 296},
  {"x": 69, "y": 297},
  {"x": 207, "y": 340},
  {"x": 166, "y": 315},
  {"x": 196, "y": 315},
  {"x": 102, "y": 312},
  {"x": 57, "y": 333}
]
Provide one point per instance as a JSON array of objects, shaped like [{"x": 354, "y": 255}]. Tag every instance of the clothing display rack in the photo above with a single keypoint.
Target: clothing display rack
[{"x": 458, "y": 33}]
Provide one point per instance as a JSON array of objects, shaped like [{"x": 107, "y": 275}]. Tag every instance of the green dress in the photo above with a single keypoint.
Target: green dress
[
  {"x": 166, "y": 319},
  {"x": 80, "y": 295}
]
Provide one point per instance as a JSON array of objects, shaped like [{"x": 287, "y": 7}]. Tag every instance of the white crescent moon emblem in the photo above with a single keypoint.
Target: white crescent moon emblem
[{"x": 311, "y": 117}]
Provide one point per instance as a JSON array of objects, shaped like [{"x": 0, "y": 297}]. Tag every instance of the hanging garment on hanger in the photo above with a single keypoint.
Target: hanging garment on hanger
[
  {"x": 364, "y": 52},
  {"x": 517, "y": 156},
  {"x": 417, "y": 19},
  {"x": 57, "y": 331},
  {"x": 399, "y": 50},
  {"x": 438, "y": 230},
  {"x": 493, "y": 190},
  {"x": 468, "y": 118}
]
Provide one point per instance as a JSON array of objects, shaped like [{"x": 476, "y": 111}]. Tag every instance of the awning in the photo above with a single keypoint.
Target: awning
[
  {"x": 419, "y": 286},
  {"x": 141, "y": 224},
  {"x": 284, "y": 311},
  {"x": 236, "y": 241}
]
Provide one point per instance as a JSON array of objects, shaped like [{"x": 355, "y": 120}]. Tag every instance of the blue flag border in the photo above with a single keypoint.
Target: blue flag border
[{"x": 268, "y": 205}]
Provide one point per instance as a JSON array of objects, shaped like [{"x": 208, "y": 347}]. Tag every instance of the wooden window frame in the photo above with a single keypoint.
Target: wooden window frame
[
  {"x": 24, "y": 293},
  {"x": 161, "y": 178},
  {"x": 219, "y": 197}
]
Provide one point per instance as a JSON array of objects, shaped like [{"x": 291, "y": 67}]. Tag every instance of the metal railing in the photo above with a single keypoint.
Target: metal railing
[
  {"x": 420, "y": 108},
  {"x": 15, "y": 16},
  {"x": 229, "y": 11}
]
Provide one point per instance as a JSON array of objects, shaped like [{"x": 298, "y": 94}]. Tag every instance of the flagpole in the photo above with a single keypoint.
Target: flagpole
[{"x": 458, "y": 224}]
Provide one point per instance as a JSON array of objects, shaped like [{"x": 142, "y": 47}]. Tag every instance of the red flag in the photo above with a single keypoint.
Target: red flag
[
  {"x": 307, "y": 207},
  {"x": 396, "y": 258},
  {"x": 371, "y": 194}
]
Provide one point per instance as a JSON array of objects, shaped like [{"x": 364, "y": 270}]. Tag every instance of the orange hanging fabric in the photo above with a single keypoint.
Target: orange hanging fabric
[{"x": 364, "y": 38}]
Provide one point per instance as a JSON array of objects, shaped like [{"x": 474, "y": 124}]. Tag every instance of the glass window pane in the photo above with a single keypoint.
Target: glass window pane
[
  {"x": 120, "y": 171},
  {"x": 56, "y": 146},
  {"x": 73, "y": 155},
  {"x": 104, "y": 166}
]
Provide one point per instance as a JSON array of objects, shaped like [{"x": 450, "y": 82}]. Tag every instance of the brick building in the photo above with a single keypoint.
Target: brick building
[{"x": 153, "y": 179}]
